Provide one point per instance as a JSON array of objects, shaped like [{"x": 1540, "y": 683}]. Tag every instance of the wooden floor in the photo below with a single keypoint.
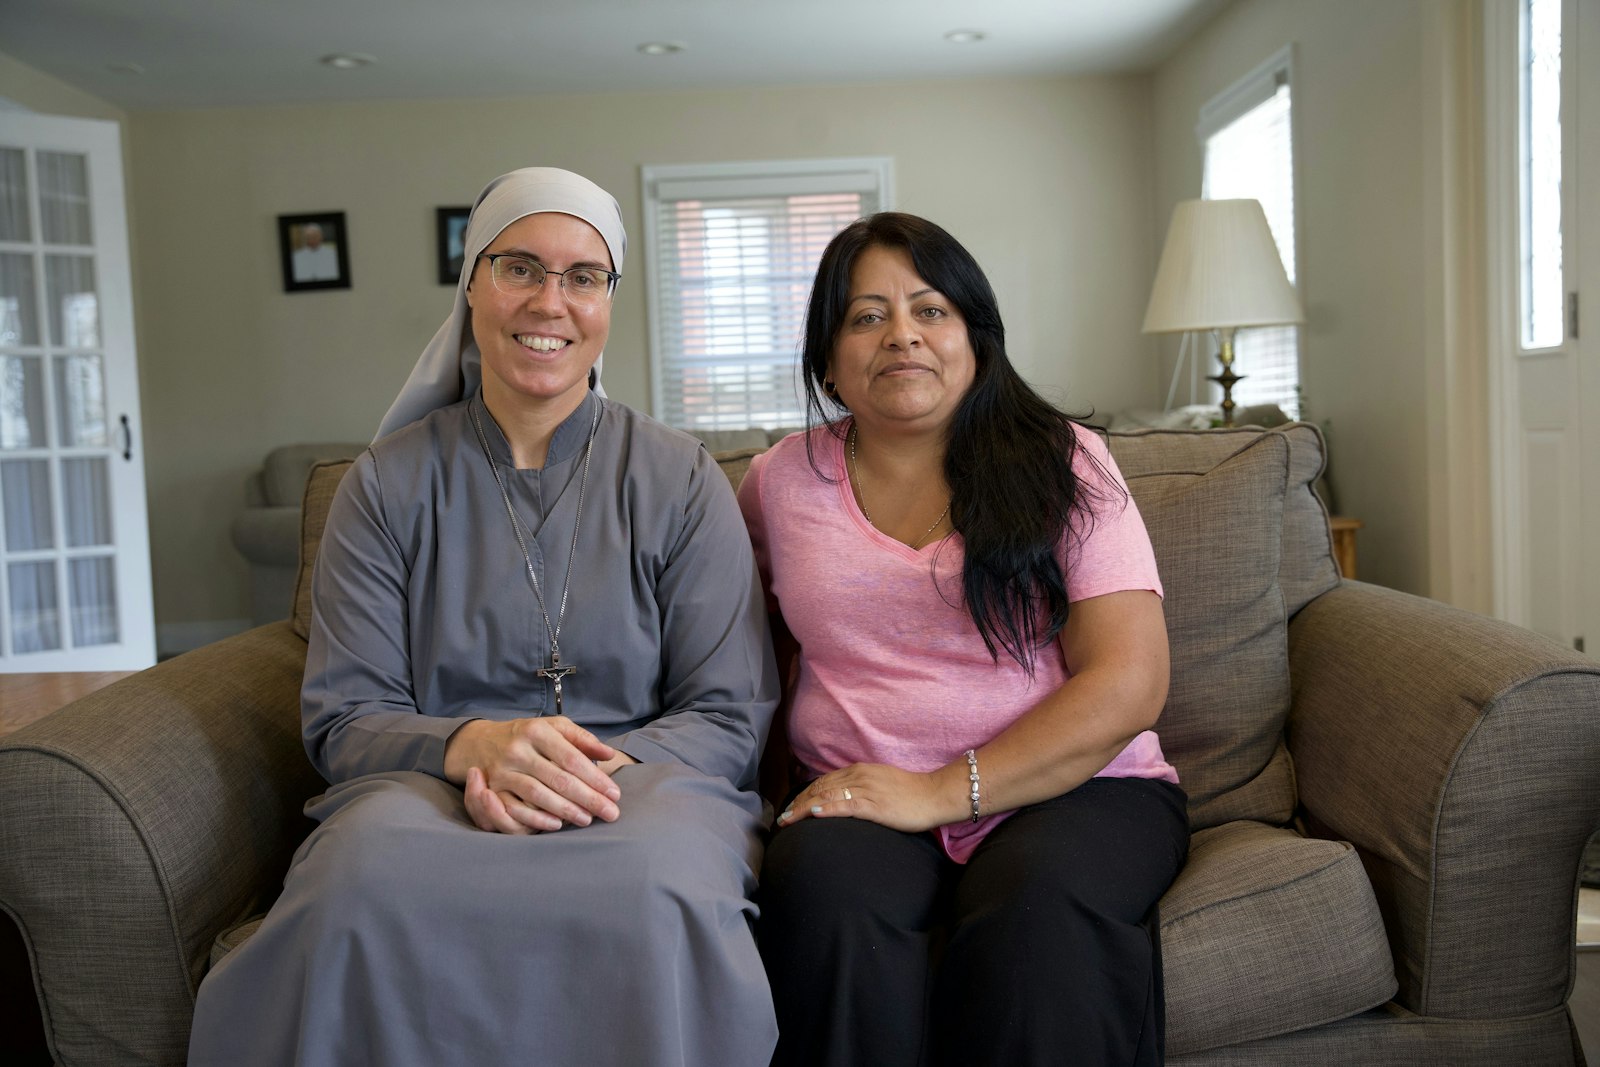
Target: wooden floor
[{"x": 25, "y": 698}]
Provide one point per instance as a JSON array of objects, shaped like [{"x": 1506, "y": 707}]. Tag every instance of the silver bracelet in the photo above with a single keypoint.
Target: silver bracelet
[{"x": 972, "y": 777}]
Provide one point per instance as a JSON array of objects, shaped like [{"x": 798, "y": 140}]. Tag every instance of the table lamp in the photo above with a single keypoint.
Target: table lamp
[{"x": 1220, "y": 271}]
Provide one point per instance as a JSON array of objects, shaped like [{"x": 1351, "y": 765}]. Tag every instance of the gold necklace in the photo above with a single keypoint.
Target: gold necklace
[{"x": 861, "y": 496}]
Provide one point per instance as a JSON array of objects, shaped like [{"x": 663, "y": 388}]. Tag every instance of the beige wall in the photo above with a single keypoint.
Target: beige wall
[
  {"x": 1362, "y": 117},
  {"x": 1062, "y": 187},
  {"x": 1047, "y": 180}
]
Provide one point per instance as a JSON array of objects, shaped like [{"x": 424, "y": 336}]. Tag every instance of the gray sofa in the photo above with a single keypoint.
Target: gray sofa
[
  {"x": 267, "y": 531},
  {"x": 1390, "y": 800}
]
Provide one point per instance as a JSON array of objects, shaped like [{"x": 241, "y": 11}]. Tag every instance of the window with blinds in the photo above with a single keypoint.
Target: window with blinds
[
  {"x": 730, "y": 251},
  {"x": 1248, "y": 134}
]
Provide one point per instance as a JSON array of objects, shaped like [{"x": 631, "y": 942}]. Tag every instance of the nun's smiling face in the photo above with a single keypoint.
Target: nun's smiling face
[{"x": 538, "y": 346}]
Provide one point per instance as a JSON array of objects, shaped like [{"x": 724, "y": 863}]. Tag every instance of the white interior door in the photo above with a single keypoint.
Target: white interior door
[
  {"x": 1542, "y": 66},
  {"x": 1586, "y": 207},
  {"x": 74, "y": 543}
]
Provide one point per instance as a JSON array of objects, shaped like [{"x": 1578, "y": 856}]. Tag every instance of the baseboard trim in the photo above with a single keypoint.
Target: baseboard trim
[{"x": 173, "y": 638}]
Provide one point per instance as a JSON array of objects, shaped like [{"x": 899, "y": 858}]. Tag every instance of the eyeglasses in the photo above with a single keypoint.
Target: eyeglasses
[{"x": 516, "y": 275}]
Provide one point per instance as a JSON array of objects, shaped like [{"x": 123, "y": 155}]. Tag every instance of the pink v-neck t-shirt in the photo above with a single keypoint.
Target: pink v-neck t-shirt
[{"x": 892, "y": 669}]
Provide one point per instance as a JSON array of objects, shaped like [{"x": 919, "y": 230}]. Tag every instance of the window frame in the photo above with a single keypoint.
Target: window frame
[{"x": 664, "y": 184}]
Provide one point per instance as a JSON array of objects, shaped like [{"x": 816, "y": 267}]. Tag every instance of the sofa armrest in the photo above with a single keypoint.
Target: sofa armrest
[
  {"x": 141, "y": 821},
  {"x": 1461, "y": 756}
]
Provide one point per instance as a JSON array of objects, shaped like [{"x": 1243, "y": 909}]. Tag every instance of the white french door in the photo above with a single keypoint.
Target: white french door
[
  {"x": 1542, "y": 63},
  {"x": 1586, "y": 343},
  {"x": 74, "y": 543}
]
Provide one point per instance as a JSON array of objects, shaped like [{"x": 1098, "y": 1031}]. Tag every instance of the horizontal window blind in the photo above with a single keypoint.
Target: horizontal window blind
[
  {"x": 1252, "y": 157},
  {"x": 731, "y": 260}
]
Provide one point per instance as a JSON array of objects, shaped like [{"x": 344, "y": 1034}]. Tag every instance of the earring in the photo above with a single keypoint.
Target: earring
[{"x": 828, "y": 387}]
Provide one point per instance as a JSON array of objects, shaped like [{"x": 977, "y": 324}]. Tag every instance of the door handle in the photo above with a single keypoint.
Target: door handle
[{"x": 127, "y": 439}]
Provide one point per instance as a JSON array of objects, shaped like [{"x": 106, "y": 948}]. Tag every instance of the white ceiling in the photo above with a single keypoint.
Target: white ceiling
[{"x": 225, "y": 53}]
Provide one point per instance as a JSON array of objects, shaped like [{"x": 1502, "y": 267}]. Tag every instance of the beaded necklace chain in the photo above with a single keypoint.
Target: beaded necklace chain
[{"x": 557, "y": 671}]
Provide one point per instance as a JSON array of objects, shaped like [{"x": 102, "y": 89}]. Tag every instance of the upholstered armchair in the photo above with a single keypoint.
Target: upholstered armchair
[{"x": 267, "y": 531}]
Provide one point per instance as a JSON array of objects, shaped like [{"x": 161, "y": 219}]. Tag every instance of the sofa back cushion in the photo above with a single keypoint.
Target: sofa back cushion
[
  {"x": 1242, "y": 544},
  {"x": 321, "y": 484},
  {"x": 719, "y": 441},
  {"x": 1217, "y": 536},
  {"x": 1307, "y": 568},
  {"x": 323, "y": 481},
  {"x": 735, "y": 463}
]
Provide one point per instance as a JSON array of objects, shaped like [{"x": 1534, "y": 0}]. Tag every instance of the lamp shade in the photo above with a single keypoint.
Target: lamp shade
[{"x": 1220, "y": 269}]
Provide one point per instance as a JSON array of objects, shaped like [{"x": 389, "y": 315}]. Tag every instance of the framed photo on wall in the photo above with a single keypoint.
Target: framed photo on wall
[
  {"x": 315, "y": 250},
  {"x": 451, "y": 229}
]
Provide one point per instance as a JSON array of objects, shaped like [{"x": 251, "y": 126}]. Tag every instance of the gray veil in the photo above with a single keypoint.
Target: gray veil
[{"x": 449, "y": 369}]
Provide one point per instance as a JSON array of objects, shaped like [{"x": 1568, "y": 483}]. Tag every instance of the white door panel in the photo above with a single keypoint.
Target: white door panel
[
  {"x": 1548, "y": 467},
  {"x": 74, "y": 542},
  {"x": 1587, "y": 253}
]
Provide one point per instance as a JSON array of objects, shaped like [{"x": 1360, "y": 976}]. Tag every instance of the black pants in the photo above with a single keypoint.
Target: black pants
[{"x": 1043, "y": 949}]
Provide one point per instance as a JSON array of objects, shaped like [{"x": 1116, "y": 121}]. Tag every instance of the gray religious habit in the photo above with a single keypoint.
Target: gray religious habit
[{"x": 407, "y": 936}]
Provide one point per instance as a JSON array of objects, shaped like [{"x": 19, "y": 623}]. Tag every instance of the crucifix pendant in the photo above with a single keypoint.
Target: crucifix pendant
[{"x": 556, "y": 672}]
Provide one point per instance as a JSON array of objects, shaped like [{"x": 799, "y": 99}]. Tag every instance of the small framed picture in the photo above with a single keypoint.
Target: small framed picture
[
  {"x": 451, "y": 227},
  {"x": 315, "y": 250}
]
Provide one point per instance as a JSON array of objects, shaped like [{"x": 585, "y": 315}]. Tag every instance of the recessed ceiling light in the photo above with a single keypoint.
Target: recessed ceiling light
[
  {"x": 125, "y": 68},
  {"x": 347, "y": 60},
  {"x": 661, "y": 48},
  {"x": 965, "y": 36}
]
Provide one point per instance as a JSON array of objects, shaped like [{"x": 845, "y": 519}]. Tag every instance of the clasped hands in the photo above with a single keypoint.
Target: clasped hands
[
  {"x": 528, "y": 776},
  {"x": 908, "y": 801}
]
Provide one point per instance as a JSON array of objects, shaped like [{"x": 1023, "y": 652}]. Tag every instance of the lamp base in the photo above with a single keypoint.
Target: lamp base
[{"x": 1226, "y": 379}]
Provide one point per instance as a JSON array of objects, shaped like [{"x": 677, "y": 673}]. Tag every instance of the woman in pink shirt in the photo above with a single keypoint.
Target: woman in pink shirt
[{"x": 970, "y": 872}]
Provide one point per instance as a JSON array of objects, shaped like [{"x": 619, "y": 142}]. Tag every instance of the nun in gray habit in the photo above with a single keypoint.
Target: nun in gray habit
[{"x": 538, "y": 684}]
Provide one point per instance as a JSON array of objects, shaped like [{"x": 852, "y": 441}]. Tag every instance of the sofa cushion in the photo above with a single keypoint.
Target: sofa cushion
[
  {"x": 1306, "y": 568},
  {"x": 322, "y": 483},
  {"x": 735, "y": 463},
  {"x": 732, "y": 440},
  {"x": 1266, "y": 932},
  {"x": 233, "y": 937},
  {"x": 1218, "y": 541},
  {"x": 750, "y": 437}
]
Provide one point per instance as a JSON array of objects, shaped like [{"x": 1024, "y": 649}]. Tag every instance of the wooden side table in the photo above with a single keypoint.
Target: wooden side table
[
  {"x": 1344, "y": 543},
  {"x": 25, "y": 698}
]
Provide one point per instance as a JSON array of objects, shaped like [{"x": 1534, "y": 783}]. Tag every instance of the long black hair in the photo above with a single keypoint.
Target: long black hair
[{"x": 1009, "y": 453}]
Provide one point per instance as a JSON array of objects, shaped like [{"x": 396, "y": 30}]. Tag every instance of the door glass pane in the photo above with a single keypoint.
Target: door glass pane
[
  {"x": 19, "y": 315},
  {"x": 74, "y": 306},
  {"x": 21, "y": 402},
  {"x": 64, "y": 198},
  {"x": 25, "y": 500},
  {"x": 86, "y": 501},
  {"x": 81, "y": 402},
  {"x": 14, "y": 196},
  {"x": 35, "y": 616},
  {"x": 1543, "y": 289},
  {"x": 94, "y": 601}
]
